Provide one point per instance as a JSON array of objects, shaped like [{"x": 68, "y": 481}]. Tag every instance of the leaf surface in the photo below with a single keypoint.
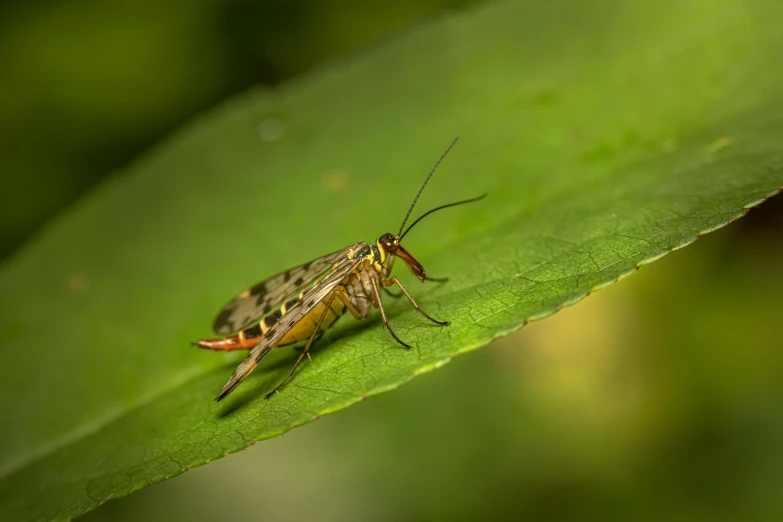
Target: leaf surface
[{"x": 605, "y": 133}]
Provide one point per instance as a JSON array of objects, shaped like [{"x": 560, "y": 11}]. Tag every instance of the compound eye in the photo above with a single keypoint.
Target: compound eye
[{"x": 387, "y": 240}]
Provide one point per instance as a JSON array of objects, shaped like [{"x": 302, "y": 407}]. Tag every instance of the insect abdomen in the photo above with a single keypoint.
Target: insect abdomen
[
  {"x": 304, "y": 328},
  {"x": 250, "y": 336}
]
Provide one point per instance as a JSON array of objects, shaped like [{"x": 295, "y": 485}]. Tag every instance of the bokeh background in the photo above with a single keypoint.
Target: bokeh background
[
  {"x": 91, "y": 84},
  {"x": 659, "y": 398}
]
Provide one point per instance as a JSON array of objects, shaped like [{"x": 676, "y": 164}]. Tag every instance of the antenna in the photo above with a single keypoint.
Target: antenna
[
  {"x": 424, "y": 185},
  {"x": 441, "y": 208}
]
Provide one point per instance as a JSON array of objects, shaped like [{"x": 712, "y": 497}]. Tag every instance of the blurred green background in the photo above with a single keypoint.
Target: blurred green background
[
  {"x": 657, "y": 398},
  {"x": 89, "y": 85}
]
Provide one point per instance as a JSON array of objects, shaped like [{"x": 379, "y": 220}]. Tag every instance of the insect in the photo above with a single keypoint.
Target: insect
[{"x": 304, "y": 301}]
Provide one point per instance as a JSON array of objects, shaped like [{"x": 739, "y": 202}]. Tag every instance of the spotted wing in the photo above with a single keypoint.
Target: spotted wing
[
  {"x": 259, "y": 300},
  {"x": 309, "y": 300}
]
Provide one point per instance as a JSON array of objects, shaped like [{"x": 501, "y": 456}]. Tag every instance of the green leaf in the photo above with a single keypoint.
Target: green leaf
[
  {"x": 687, "y": 420},
  {"x": 606, "y": 133}
]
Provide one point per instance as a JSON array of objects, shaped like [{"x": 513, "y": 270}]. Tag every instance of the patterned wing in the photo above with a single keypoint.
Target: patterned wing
[
  {"x": 256, "y": 302},
  {"x": 312, "y": 297}
]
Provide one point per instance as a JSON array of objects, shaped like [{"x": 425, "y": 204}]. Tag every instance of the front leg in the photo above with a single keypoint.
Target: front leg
[
  {"x": 377, "y": 296},
  {"x": 394, "y": 280}
]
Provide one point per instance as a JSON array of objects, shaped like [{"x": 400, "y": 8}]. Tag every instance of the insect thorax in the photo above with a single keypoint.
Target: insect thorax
[
  {"x": 379, "y": 261},
  {"x": 359, "y": 285}
]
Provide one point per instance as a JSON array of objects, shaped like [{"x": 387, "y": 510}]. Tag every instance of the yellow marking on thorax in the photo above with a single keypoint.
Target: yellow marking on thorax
[{"x": 368, "y": 262}]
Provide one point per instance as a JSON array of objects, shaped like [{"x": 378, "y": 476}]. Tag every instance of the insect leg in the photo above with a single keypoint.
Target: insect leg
[
  {"x": 383, "y": 313},
  {"x": 306, "y": 350},
  {"x": 302, "y": 349},
  {"x": 392, "y": 294},
  {"x": 343, "y": 296},
  {"x": 396, "y": 281},
  {"x": 428, "y": 278},
  {"x": 388, "y": 271}
]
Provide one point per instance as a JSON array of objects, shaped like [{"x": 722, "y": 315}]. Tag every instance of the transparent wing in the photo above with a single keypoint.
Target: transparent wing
[
  {"x": 292, "y": 316},
  {"x": 259, "y": 300}
]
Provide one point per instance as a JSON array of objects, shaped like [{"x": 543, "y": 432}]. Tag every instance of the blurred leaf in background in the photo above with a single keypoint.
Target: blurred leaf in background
[
  {"x": 89, "y": 85},
  {"x": 660, "y": 398}
]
